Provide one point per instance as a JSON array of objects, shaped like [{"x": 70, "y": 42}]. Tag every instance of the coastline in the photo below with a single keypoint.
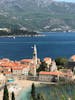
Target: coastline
[{"x": 12, "y": 36}]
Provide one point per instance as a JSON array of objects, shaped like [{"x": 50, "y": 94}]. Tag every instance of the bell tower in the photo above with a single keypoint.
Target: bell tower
[{"x": 35, "y": 59}]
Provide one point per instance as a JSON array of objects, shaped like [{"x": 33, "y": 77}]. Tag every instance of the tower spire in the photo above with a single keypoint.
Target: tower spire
[{"x": 35, "y": 59}]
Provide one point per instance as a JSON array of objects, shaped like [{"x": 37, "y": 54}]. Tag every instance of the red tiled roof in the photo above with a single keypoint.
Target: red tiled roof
[
  {"x": 17, "y": 68},
  {"x": 51, "y": 73},
  {"x": 26, "y": 60},
  {"x": 7, "y": 72},
  {"x": 47, "y": 58}
]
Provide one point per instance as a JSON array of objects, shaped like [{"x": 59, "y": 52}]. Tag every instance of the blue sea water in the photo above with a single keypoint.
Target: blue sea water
[{"x": 52, "y": 45}]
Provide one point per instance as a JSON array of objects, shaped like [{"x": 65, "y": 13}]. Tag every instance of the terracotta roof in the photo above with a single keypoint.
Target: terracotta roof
[
  {"x": 51, "y": 73},
  {"x": 17, "y": 68},
  {"x": 55, "y": 73},
  {"x": 47, "y": 58},
  {"x": 26, "y": 60},
  {"x": 7, "y": 72}
]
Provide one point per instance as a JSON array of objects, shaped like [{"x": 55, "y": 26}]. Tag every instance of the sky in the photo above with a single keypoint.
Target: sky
[{"x": 67, "y": 0}]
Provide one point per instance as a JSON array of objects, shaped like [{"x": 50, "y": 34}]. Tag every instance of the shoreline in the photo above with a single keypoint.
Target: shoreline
[
  {"x": 37, "y": 35},
  {"x": 13, "y": 36}
]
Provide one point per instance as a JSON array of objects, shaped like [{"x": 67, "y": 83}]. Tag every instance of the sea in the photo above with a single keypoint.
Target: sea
[{"x": 50, "y": 45}]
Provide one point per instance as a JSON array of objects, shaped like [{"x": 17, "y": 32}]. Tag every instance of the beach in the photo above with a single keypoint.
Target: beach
[{"x": 23, "y": 84}]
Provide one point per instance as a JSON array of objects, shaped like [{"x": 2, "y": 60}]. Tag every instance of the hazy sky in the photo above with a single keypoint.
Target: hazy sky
[{"x": 67, "y": 0}]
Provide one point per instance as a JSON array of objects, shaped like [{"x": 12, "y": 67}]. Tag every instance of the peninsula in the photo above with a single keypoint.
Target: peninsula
[{"x": 17, "y": 32}]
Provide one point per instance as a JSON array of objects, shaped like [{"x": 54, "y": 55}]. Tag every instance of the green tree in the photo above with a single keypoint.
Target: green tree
[
  {"x": 33, "y": 92},
  {"x": 61, "y": 61},
  {"x": 13, "y": 96},
  {"x": 5, "y": 94},
  {"x": 43, "y": 67}
]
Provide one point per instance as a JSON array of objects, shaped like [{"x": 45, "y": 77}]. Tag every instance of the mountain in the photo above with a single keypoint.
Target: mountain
[{"x": 37, "y": 15}]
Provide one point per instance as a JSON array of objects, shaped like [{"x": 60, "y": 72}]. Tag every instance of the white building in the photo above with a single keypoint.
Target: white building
[
  {"x": 53, "y": 67},
  {"x": 48, "y": 61},
  {"x": 35, "y": 59},
  {"x": 2, "y": 79}
]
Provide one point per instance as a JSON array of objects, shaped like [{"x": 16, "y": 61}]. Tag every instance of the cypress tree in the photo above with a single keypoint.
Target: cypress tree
[
  {"x": 13, "y": 96},
  {"x": 33, "y": 92},
  {"x": 5, "y": 94}
]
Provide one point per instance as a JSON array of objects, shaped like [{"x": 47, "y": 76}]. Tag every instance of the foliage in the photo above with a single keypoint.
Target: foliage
[
  {"x": 60, "y": 67},
  {"x": 40, "y": 96},
  {"x": 43, "y": 67},
  {"x": 13, "y": 96},
  {"x": 27, "y": 14},
  {"x": 33, "y": 94},
  {"x": 5, "y": 94},
  {"x": 17, "y": 32},
  {"x": 56, "y": 92},
  {"x": 61, "y": 61}
]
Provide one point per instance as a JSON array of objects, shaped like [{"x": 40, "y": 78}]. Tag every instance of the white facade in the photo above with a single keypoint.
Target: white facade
[
  {"x": 53, "y": 67},
  {"x": 35, "y": 59},
  {"x": 17, "y": 72},
  {"x": 22, "y": 71},
  {"x": 25, "y": 71},
  {"x": 45, "y": 77}
]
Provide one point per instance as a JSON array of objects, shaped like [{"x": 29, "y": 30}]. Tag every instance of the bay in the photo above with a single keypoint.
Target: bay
[{"x": 52, "y": 45}]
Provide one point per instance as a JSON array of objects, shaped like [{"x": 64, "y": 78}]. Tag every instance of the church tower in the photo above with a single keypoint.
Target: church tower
[{"x": 35, "y": 59}]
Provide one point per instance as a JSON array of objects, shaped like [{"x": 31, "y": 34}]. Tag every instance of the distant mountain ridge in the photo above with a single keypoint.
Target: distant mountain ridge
[{"x": 37, "y": 15}]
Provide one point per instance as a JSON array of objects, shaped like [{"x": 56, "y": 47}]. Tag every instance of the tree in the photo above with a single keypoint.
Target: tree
[
  {"x": 5, "y": 94},
  {"x": 61, "y": 61},
  {"x": 13, "y": 96},
  {"x": 35, "y": 96},
  {"x": 43, "y": 67},
  {"x": 33, "y": 92}
]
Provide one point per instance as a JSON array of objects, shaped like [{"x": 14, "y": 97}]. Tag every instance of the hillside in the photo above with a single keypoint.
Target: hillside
[{"x": 37, "y": 15}]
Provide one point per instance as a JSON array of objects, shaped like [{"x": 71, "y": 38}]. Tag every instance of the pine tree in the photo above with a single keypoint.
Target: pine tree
[
  {"x": 13, "y": 96},
  {"x": 5, "y": 94}
]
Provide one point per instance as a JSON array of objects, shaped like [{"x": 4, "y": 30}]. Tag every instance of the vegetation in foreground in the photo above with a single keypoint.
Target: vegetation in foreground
[
  {"x": 13, "y": 96},
  {"x": 34, "y": 95},
  {"x": 6, "y": 94},
  {"x": 17, "y": 32},
  {"x": 54, "y": 92}
]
